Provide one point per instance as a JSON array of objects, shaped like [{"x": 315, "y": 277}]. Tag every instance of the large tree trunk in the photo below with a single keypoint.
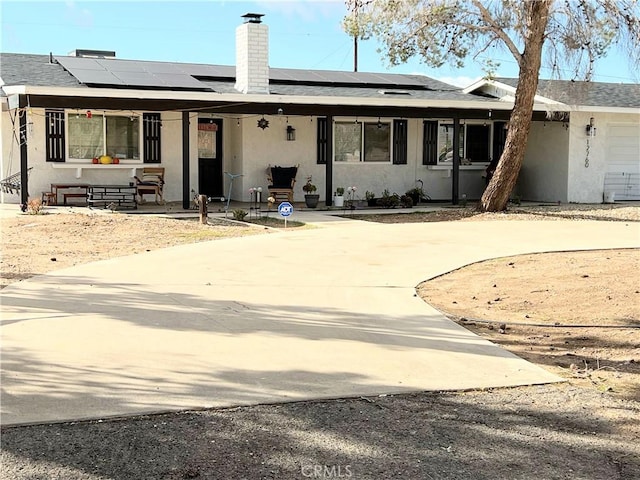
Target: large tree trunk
[{"x": 504, "y": 179}]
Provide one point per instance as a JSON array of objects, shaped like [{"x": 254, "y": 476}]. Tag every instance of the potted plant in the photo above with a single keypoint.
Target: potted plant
[
  {"x": 338, "y": 198},
  {"x": 310, "y": 198},
  {"x": 370, "y": 197},
  {"x": 417, "y": 193}
]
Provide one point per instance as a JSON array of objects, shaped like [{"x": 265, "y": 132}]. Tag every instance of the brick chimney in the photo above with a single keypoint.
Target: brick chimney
[{"x": 252, "y": 55}]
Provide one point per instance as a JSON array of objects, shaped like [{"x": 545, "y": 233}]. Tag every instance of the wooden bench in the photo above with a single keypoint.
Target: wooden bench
[
  {"x": 56, "y": 187},
  {"x": 73, "y": 195}
]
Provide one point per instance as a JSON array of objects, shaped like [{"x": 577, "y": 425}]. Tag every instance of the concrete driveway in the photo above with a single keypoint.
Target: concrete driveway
[{"x": 319, "y": 313}]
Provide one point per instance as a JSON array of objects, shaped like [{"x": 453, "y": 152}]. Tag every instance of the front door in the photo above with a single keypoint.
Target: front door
[{"x": 210, "y": 179}]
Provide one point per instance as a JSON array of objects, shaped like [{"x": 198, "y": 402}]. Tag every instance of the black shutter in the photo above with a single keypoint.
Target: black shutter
[
  {"x": 499, "y": 139},
  {"x": 55, "y": 135},
  {"x": 430, "y": 143},
  {"x": 322, "y": 141},
  {"x": 399, "y": 142},
  {"x": 151, "y": 137}
]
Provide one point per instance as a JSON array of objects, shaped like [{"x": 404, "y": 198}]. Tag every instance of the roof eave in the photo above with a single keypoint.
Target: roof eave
[{"x": 262, "y": 98}]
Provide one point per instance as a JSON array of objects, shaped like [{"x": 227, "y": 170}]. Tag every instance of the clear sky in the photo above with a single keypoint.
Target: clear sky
[{"x": 302, "y": 34}]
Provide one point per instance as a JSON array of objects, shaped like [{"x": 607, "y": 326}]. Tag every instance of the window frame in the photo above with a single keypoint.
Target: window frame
[
  {"x": 69, "y": 117},
  {"x": 388, "y": 122},
  {"x": 464, "y": 123}
]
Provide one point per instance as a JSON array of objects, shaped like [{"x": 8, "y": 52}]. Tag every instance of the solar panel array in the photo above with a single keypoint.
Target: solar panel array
[
  {"x": 134, "y": 73},
  {"x": 130, "y": 73}
]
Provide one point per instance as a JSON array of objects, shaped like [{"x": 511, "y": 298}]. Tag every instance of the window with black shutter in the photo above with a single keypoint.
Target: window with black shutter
[
  {"x": 151, "y": 137},
  {"x": 399, "y": 142},
  {"x": 322, "y": 141},
  {"x": 430, "y": 143},
  {"x": 55, "y": 149}
]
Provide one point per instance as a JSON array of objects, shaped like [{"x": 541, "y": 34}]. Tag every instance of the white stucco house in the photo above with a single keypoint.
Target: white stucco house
[{"x": 376, "y": 131}]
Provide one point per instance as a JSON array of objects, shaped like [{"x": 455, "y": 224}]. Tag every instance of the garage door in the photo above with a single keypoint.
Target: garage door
[{"x": 623, "y": 161}]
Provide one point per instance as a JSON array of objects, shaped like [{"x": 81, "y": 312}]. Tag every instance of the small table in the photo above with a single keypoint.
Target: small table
[
  {"x": 69, "y": 186},
  {"x": 113, "y": 196}
]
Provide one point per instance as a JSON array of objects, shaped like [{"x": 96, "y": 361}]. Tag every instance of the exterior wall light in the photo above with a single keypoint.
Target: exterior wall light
[
  {"x": 591, "y": 129},
  {"x": 291, "y": 133}
]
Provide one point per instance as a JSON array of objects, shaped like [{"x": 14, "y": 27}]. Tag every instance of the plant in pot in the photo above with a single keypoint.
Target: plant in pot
[
  {"x": 370, "y": 197},
  {"x": 338, "y": 198},
  {"x": 310, "y": 197},
  {"x": 417, "y": 193}
]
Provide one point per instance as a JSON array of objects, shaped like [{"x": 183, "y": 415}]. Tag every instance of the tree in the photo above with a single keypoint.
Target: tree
[{"x": 564, "y": 33}]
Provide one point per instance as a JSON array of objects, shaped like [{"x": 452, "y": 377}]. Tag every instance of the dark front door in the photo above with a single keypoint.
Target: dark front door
[{"x": 210, "y": 157}]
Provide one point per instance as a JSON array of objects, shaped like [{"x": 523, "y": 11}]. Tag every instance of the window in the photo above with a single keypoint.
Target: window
[
  {"x": 475, "y": 143},
  {"x": 362, "y": 141},
  {"x": 123, "y": 137},
  {"x": 376, "y": 142},
  {"x": 86, "y": 136},
  {"x": 90, "y": 137}
]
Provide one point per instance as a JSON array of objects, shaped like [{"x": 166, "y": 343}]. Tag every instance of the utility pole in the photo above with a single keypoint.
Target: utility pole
[
  {"x": 355, "y": 36},
  {"x": 355, "y": 53}
]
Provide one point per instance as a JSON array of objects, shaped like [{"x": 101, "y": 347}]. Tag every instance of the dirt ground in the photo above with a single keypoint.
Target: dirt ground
[{"x": 575, "y": 313}]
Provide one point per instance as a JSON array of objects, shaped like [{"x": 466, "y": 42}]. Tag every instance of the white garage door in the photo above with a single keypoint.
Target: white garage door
[{"x": 623, "y": 161}]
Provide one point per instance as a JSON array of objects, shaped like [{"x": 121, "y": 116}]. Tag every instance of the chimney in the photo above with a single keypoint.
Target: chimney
[
  {"x": 252, "y": 55},
  {"x": 92, "y": 53}
]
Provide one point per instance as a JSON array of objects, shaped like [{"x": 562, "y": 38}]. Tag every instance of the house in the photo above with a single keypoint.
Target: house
[
  {"x": 207, "y": 123},
  {"x": 593, "y": 153}
]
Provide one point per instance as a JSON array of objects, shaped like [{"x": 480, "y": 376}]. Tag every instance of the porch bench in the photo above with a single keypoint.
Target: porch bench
[{"x": 113, "y": 196}]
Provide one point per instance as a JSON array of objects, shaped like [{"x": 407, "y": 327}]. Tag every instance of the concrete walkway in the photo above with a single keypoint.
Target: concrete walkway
[{"x": 318, "y": 313}]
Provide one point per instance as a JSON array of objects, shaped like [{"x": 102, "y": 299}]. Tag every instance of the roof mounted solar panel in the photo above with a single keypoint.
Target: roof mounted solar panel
[
  {"x": 130, "y": 73},
  {"x": 79, "y": 62},
  {"x": 121, "y": 65}
]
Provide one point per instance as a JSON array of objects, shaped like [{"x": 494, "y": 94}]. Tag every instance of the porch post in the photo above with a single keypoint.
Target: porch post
[
  {"x": 24, "y": 174},
  {"x": 329, "y": 164},
  {"x": 455, "y": 174},
  {"x": 186, "y": 201}
]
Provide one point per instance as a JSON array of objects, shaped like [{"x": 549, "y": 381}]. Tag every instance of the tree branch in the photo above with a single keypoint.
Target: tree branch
[{"x": 486, "y": 16}]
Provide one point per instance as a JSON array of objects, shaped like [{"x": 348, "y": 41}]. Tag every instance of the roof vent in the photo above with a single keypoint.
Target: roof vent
[
  {"x": 253, "y": 17},
  {"x": 394, "y": 92},
  {"x": 92, "y": 53}
]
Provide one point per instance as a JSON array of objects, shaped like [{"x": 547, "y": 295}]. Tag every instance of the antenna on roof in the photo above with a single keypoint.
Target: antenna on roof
[{"x": 253, "y": 17}]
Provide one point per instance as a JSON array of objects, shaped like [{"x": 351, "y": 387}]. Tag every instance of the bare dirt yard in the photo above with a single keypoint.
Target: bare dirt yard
[{"x": 574, "y": 313}]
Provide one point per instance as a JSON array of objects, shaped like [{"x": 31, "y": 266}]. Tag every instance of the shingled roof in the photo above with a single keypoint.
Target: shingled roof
[
  {"x": 79, "y": 72},
  {"x": 596, "y": 94}
]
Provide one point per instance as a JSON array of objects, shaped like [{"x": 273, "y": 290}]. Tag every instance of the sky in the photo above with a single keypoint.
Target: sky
[{"x": 303, "y": 34}]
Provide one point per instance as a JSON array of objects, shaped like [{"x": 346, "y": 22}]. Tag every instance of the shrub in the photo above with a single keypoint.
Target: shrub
[
  {"x": 239, "y": 214},
  {"x": 34, "y": 206}
]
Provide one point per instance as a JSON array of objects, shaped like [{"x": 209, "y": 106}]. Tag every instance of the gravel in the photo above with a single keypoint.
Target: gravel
[{"x": 530, "y": 432}]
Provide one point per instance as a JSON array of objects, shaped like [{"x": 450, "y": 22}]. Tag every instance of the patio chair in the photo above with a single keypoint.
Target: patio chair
[
  {"x": 281, "y": 182},
  {"x": 151, "y": 183}
]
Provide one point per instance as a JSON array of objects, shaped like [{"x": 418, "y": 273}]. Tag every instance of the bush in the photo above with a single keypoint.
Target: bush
[
  {"x": 389, "y": 200},
  {"x": 406, "y": 201},
  {"x": 34, "y": 206},
  {"x": 239, "y": 214}
]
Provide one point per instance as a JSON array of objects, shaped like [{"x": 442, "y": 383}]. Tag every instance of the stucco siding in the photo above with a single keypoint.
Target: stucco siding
[
  {"x": 544, "y": 174},
  {"x": 586, "y": 179}
]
